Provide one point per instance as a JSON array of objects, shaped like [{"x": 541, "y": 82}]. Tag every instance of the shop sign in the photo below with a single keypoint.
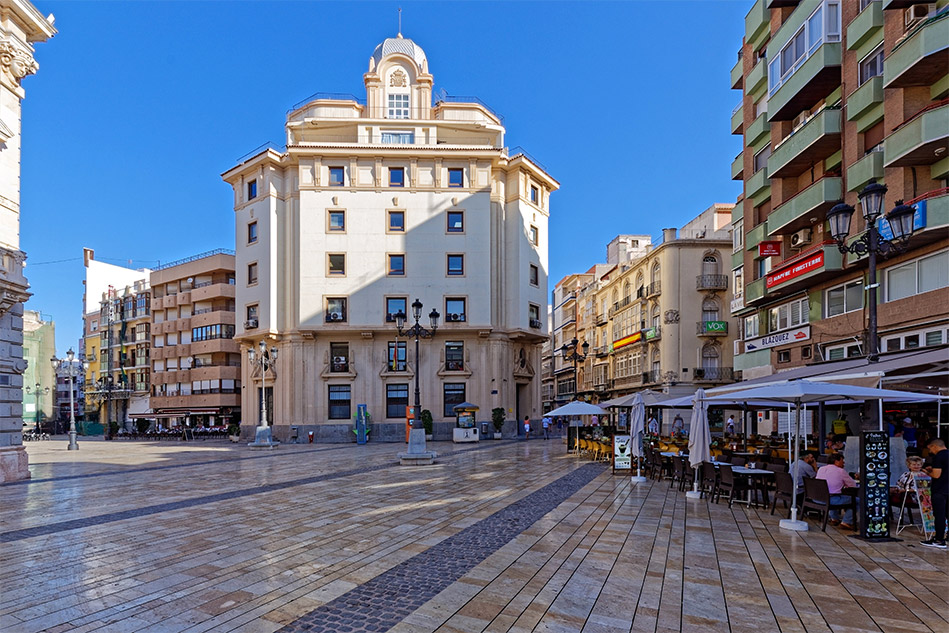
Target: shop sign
[
  {"x": 784, "y": 275},
  {"x": 781, "y": 338},
  {"x": 919, "y": 221},
  {"x": 649, "y": 333},
  {"x": 738, "y": 303},
  {"x": 627, "y": 340},
  {"x": 768, "y": 249},
  {"x": 715, "y": 326},
  {"x": 622, "y": 452}
]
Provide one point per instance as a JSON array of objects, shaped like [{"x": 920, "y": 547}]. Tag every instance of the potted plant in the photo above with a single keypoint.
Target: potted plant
[
  {"x": 427, "y": 423},
  {"x": 234, "y": 431},
  {"x": 497, "y": 419}
]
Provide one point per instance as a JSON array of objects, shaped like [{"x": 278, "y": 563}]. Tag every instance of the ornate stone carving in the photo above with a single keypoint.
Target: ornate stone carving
[
  {"x": 671, "y": 316},
  {"x": 16, "y": 61},
  {"x": 397, "y": 79}
]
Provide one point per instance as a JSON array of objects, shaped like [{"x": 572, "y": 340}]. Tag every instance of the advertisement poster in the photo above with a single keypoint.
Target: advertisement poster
[
  {"x": 622, "y": 453},
  {"x": 921, "y": 483}
]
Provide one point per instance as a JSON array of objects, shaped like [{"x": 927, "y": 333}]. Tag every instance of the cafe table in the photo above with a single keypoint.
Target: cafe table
[{"x": 744, "y": 471}]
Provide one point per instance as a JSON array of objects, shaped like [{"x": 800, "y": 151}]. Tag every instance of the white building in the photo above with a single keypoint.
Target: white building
[
  {"x": 21, "y": 26},
  {"x": 375, "y": 203}
]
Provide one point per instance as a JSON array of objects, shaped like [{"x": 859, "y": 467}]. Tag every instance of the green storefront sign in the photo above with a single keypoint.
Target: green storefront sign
[
  {"x": 715, "y": 326},
  {"x": 650, "y": 333}
]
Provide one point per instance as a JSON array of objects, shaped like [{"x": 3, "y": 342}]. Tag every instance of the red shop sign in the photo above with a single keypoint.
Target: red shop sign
[
  {"x": 784, "y": 275},
  {"x": 767, "y": 249}
]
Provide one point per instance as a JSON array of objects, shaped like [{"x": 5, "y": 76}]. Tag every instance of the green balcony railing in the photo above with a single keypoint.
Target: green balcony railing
[
  {"x": 865, "y": 25},
  {"x": 815, "y": 79},
  {"x": 737, "y": 74},
  {"x": 868, "y": 168},
  {"x": 757, "y": 78},
  {"x": 921, "y": 58},
  {"x": 755, "y": 236},
  {"x": 738, "y": 117},
  {"x": 755, "y": 291},
  {"x": 916, "y": 141},
  {"x": 810, "y": 203},
  {"x": 815, "y": 140},
  {"x": 757, "y": 183},
  {"x": 738, "y": 258},
  {"x": 865, "y": 104},
  {"x": 738, "y": 167},
  {"x": 757, "y": 24},
  {"x": 758, "y": 129}
]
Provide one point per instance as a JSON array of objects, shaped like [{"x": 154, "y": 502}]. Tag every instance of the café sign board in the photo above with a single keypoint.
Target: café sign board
[
  {"x": 769, "y": 249},
  {"x": 622, "y": 453},
  {"x": 781, "y": 338},
  {"x": 786, "y": 274}
]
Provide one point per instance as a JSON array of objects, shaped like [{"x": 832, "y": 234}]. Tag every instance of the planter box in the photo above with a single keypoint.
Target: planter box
[{"x": 497, "y": 436}]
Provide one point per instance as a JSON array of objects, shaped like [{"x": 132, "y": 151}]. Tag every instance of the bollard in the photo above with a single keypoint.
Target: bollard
[{"x": 310, "y": 435}]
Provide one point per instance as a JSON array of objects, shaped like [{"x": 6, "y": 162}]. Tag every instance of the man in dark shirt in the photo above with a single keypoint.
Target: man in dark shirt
[{"x": 939, "y": 490}]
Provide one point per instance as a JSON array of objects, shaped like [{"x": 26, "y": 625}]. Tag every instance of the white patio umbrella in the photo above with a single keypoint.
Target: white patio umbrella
[
  {"x": 578, "y": 407},
  {"x": 637, "y": 428},
  {"x": 699, "y": 439},
  {"x": 800, "y": 392}
]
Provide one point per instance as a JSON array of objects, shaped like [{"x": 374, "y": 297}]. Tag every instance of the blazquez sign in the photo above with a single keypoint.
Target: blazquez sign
[{"x": 781, "y": 338}]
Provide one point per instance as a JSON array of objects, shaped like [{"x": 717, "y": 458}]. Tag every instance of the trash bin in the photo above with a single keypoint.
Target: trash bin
[
  {"x": 484, "y": 429},
  {"x": 310, "y": 434},
  {"x": 294, "y": 435}
]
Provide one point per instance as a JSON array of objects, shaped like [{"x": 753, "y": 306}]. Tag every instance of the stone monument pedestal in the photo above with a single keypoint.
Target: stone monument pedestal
[
  {"x": 263, "y": 439},
  {"x": 417, "y": 455},
  {"x": 14, "y": 464}
]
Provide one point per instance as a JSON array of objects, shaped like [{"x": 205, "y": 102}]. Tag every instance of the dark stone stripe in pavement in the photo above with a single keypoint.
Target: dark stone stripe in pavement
[
  {"x": 75, "y": 524},
  {"x": 390, "y": 597}
]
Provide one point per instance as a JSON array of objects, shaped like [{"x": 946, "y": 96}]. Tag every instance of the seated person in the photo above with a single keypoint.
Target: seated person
[
  {"x": 807, "y": 468},
  {"x": 838, "y": 479}
]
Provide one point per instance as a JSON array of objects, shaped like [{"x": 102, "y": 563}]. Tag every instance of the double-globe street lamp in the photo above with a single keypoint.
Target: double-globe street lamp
[
  {"x": 37, "y": 391},
  {"x": 871, "y": 243},
  {"x": 416, "y": 332},
  {"x": 576, "y": 357},
  {"x": 265, "y": 358},
  {"x": 70, "y": 368}
]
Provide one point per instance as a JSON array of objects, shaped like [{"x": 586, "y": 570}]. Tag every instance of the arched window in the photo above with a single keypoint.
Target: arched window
[
  {"x": 626, "y": 290},
  {"x": 710, "y": 265},
  {"x": 615, "y": 296},
  {"x": 640, "y": 282},
  {"x": 710, "y": 357},
  {"x": 655, "y": 360},
  {"x": 656, "y": 317},
  {"x": 655, "y": 273},
  {"x": 710, "y": 311}
]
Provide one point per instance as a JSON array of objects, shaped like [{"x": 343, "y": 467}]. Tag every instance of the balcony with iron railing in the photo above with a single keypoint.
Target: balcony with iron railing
[
  {"x": 653, "y": 376},
  {"x": 713, "y": 374},
  {"x": 711, "y": 282},
  {"x": 711, "y": 328},
  {"x": 653, "y": 289}
]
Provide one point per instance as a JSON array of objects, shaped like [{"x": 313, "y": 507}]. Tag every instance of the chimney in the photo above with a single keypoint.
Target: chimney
[{"x": 668, "y": 235}]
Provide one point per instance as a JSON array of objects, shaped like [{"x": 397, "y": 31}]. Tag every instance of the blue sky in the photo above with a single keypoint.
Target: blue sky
[{"x": 138, "y": 107}]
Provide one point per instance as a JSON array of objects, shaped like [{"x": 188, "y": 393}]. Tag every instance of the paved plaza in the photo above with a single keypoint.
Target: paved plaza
[{"x": 503, "y": 536}]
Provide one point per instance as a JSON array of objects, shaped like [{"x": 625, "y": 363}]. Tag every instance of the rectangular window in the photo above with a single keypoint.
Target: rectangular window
[
  {"x": 751, "y": 326},
  {"x": 398, "y": 138},
  {"x": 933, "y": 272},
  {"x": 336, "y": 309},
  {"x": 793, "y": 314},
  {"x": 535, "y": 194},
  {"x": 823, "y": 25},
  {"x": 454, "y": 356},
  {"x": 336, "y": 264},
  {"x": 533, "y": 235},
  {"x": 456, "y": 177},
  {"x": 761, "y": 158},
  {"x": 398, "y": 106},
  {"x": 533, "y": 312},
  {"x": 252, "y": 190},
  {"x": 339, "y": 357},
  {"x": 397, "y": 398},
  {"x": 456, "y": 265},
  {"x": 738, "y": 235},
  {"x": 456, "y": 222},
  {"x": 396, "y": 222},
  {"x": 339, "y": 402},
  {"x": 454, "y": 394},
  {"x": 397, "y": 356},
  {"x": 738, "y": 282},
  {"x": 396, "y": 267},
  {"x": 872, "y": 65},
  {"x": 252, "y": 312},
  {"x": 534, "y": 275},
  {"x": 397, "y": 176},
  {"x": 336, "y": 221},
  {"x": 845, "y": 298},
  {"x": 455, "y": 309},
  {"x": 337, "y": 175},
  {"x": 395, "y": 305},
  {"x": 251, "y": 273},
  {"x": 252, "y": 233}
]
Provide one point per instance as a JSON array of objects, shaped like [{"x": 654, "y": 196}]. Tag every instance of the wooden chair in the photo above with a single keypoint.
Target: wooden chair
[
  {"x": 709, "y": 482},
  {"x": 688, "y": 474},
  {"x": 777, "y": 468},
  {"x": 784, "y": 490},
  {"x": 739, "y": 461},
  {"x": 727, "y": 482},
  {"x": 817, "y": 498}
]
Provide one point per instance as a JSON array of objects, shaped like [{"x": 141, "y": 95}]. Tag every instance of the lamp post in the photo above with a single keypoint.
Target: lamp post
[
  {"x": 871, "y": 243},
  {"x": 576, "y": 357},
  {"x": 37, "y": 391},
  {"x": 69, "y": 368},
  {"x": 417, "y": 455},
  {"x": 265, "y": 359}
]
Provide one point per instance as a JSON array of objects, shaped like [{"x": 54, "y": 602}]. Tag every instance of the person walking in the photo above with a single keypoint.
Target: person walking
[
  {"x": 527, "y": 427},
  {"x": 730, "y": 425},
  {"x": 938, "y": 490},
  {"x": 546, "y": 424}
]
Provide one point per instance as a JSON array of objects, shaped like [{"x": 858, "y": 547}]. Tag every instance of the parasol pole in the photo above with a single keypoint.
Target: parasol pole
[{"x": 793, "y": 524}]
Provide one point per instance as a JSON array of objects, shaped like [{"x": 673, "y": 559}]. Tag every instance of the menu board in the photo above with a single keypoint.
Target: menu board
[
  {"x": 622, "y": 453},
  {"x": 875, "y": 484}
]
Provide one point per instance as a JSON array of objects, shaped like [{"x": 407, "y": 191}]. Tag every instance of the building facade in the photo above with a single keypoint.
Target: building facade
[
  {"x": 21, "y": 26},
  {"x": 646, "y": 325},
  {"x": 374, "y": 203},
  {"x": 195, "y": 361},
  {"x": 39, "y": 379},
  {"x": 836, "y": 95}
]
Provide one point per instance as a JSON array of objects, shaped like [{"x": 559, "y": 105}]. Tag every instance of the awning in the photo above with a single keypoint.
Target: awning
[{"x": 178, "y": 413}]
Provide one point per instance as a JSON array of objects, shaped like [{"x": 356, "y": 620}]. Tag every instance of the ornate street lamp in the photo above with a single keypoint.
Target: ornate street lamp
[
  {"x": 264, "y": 359},
  {"x": 71, "y": 370},
  {"x": 576, "y": 357},
  {"x": 37, "y": 391},
  {"x": 900, "y": 220},
  {"x": 417, "y": 453}
]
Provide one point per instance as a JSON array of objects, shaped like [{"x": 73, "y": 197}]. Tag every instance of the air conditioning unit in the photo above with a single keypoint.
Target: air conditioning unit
[
  {"x": 801, "y": 119},
  {"x": 917, "y": 13},
  {"x": 452, "y": 317},
  {"x": 801, "y": 238},
  {"x": 250, "y": 324},
  {"x": 336, "y": 316}
]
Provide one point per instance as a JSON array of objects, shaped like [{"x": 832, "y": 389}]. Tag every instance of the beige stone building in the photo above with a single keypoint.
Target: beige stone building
[
  {"x": 21, "y": 26},
  {"x": 374, "y": 203},
  {"x": 658, "y": 319}
]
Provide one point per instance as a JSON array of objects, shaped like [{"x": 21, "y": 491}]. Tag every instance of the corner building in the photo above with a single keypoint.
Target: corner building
[
  {"x": 372, "y": 204},
  {"x": 835, "y": 95}
]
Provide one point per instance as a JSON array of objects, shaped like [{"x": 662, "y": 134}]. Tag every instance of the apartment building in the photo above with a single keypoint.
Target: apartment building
[
  {"x": 640, "y": 323},
  {"x": 374, "y": 203},
  {"x": 21, "y": 26},
  {"x": 39, "y": 379},
  {"x": 195, "y": 361},
  {"x": 836, "y": 95}
]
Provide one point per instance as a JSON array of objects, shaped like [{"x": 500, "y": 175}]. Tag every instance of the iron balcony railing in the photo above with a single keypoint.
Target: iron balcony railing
[
  {"x": 651, "y": 376},
  {"x": 714, "y": 374},
  {"x": 711, "y": 282},
  {"x": 711, "y": 328}
]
